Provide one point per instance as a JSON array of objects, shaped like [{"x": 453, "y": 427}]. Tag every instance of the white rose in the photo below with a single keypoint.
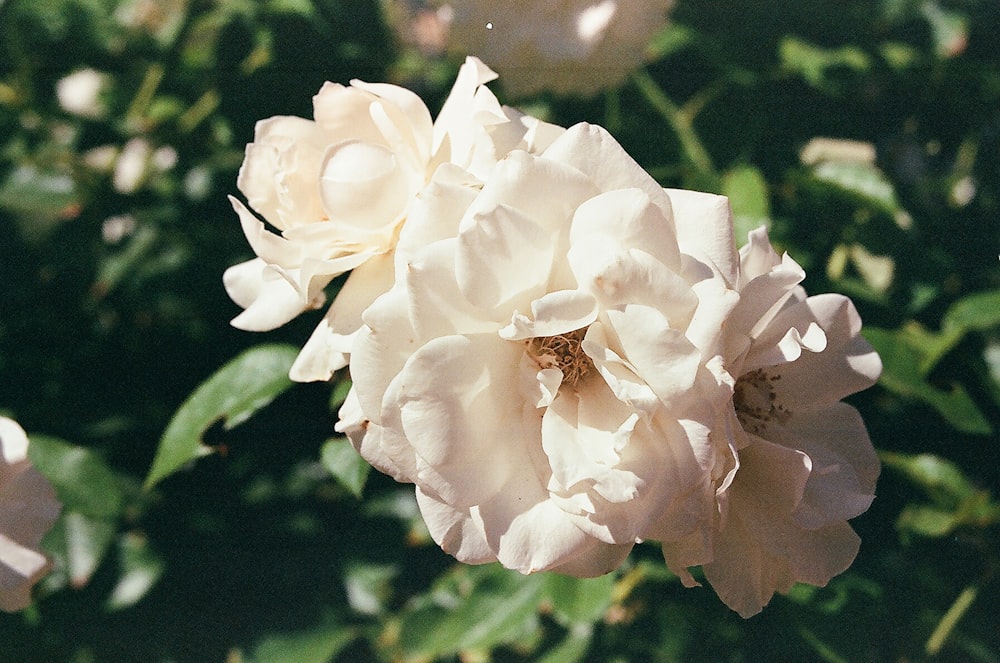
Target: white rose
[
  {"x": 802, "y": 463},
  {"x": 566, "y": 46},
  {"x": 338, "y": 188},
  {"x": 28, "y": 508},
  {"x": 541, "y": 369}
]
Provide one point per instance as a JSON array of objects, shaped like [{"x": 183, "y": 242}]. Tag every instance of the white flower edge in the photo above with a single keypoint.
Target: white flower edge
[{"x": 28, "y": 508}]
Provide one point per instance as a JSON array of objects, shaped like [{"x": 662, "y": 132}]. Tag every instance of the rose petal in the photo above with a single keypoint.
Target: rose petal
[
  {"x": 455, "y": 531},
  {"x": 269, "y": 299}
]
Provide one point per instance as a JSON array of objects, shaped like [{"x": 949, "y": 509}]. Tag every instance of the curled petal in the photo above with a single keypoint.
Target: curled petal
[
  {"x": 552, "y": 314},
  {"x": 704, "y": 224},
  {"x": 269, "y": 299},
  {"x": 329, "y": 346}
]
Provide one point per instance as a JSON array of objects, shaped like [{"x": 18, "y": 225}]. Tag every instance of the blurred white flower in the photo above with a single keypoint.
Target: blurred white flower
[
  {"x": 801, "y": 461},
  {"x": 542, "y": 368},
  {"x": 28, "y": 508},
  {"x": 132, "y": 166},
  {"x": 80, "y": 93},
  {"x": 566, "y": 46},
  {"x": 338, "y": 188}
]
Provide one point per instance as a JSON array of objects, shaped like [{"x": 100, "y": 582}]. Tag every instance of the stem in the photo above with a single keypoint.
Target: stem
[
  {"x": 950, "y": 620},
  {"x": 680, "y": 121},
  {"x": 140, "y": 103}
]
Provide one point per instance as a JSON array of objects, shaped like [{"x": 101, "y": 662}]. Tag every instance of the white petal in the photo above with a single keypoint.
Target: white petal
[
  {"x": 594, "y": 152},
  {"x": 846, "y": 365},
  {"x": 845, "y": 465},
  {"x": 627, "y": 218},
  {"x": 270, "y": 300},
  {"x": 704, "y": 225},
  {"x": 552, "y": 314},
  {"x": 329, "y": 346},
  {"x": 364, "y": 188},
  {"x": 501, "y": 255},
  {"x": 455, "y": 531},
  {"x": 458, "y": 420},
  {"x": 663, "y": 357},
  {"x": 269, "y": 247}
]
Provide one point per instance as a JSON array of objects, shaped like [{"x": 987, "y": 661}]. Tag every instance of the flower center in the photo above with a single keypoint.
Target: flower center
[
  {"x": 562, "y": 352},
  {"x": 756, "y": 403}
]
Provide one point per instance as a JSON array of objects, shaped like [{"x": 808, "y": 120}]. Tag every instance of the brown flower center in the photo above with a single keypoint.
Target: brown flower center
[
  {"x": 562, "y": 352},
  {"x": 756, "y": 403}
]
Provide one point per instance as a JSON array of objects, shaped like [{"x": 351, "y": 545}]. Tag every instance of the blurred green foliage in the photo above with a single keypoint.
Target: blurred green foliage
[{"x": 115, "y": 230}]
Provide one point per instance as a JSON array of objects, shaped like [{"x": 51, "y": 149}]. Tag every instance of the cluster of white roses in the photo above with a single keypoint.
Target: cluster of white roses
[
  {"x": 564, "y": 358},
  {"x": 28, "y": 508}
]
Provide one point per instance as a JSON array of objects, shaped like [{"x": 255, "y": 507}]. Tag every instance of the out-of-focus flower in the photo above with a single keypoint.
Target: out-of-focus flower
[
  {"x": 566, "y": 46},
  {"x": 28, "y": 508},
  {"x": 132, "y": 166},
  {"x": 545, "y": 367},
  {"x": 338, "y": 188},
  {"x": 802, "y": 463},
  {"x": 80, "y": 93}
]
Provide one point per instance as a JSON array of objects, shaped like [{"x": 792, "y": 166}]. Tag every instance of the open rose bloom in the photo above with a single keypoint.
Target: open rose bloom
[
  {"x": 28, "y": 508},
  {"x": 563, "y": 357},
  {"x": 337, "y": 189}
]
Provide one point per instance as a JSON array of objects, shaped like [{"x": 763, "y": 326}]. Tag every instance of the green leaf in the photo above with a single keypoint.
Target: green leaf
[
  {"x": 572, "y": 648},
  {"x": 903, "y": 354},
  {"x": 83, "y": 481},
  {"x": 815, "y": 63},
  {"x": 927, "y": 521},
  {"x": 940, "y": 478},
  {"x": 579, "y": 600},
  {"x": 863, "y": 181},
  {"x": 979, "y": 311},
  {"x": 477, "y": 608},
  {"x": 139, "y": 569},
  {"x": 747, "y": 191},
  {"x": 346, "y": 465},
  {"x": 318, "y": 644},
  {"x": 234, "y": 393}
]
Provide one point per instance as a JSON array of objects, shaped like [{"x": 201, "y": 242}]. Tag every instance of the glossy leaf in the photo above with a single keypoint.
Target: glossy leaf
[
  {"x": 235, "y": 392},
  {"x": 346, "y": 465},
  {"x": 83, "y": 481}
]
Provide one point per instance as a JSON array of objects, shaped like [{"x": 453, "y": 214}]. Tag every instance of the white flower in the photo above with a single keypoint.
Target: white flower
[
  {"x": 80, "y": 93},
  {"x": 542, "y": 368},
  {"x": 802, "y": 463},
  {"x": 566, "y": 46},
  {"x": 338, "y": 188},
  {"x": 28, "y": 507}
]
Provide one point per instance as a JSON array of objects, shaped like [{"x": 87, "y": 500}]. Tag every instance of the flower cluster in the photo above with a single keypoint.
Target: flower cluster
[
  {"x": 563, "y": 357},
  {"x": 28, "y": 508}
]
